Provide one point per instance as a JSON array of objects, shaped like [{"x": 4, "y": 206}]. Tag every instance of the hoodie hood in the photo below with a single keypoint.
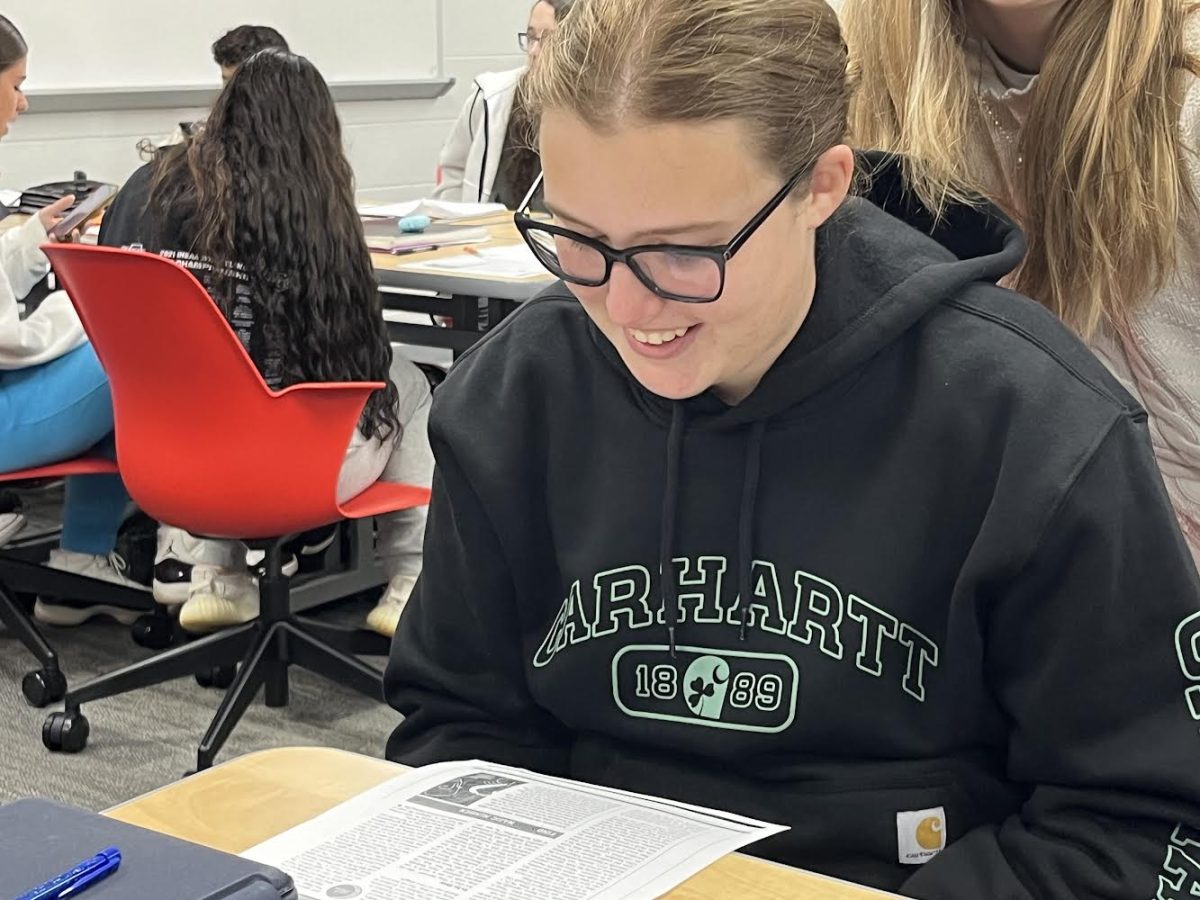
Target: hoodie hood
[
  {"x": 864, "y": 300},
  {"x": 492, "y": 84}
]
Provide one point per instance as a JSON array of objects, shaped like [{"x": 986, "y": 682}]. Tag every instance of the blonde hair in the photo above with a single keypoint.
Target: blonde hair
[
  {"x": 1102, "y": 185},
  {"x": 779, "y": 65}
]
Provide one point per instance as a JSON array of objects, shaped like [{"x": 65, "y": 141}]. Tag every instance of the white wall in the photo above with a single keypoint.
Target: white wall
[{"x": 392, "y": 145}]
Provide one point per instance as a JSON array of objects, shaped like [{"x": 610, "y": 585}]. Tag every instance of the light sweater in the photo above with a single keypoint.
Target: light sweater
[
  {"x": 470, "y": 158},
  {"x": 53, "y": 329},
  {"x": 1157, "y": 356}
]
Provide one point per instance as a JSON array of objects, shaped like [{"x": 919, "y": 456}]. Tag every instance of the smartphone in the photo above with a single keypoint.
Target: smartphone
[{"x": 88, "y": 207}]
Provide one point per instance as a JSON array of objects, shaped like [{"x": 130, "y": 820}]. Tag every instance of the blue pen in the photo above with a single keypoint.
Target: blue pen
[{"x": 72, "y": 882}]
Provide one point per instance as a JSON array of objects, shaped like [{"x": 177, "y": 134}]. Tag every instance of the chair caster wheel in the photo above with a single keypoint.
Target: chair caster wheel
[
  {"x": 43, "y": 687},
  {"x": 153, "y": 631},
  {"x": 65, "y": 732},
  {"x": 217, "y": 677}
]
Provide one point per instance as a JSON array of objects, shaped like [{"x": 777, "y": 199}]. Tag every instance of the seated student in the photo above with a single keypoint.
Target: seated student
[
  {"x": 234, "y": 47},
  {"x": 779, "y": 505},
  {"x": 54, "y": 397},
  {"x": 264, "y": 197},
  {"x": 1082, "y": 120},
  {"x": 487, "y": 157},
  {"x": 229, "y": 51}
]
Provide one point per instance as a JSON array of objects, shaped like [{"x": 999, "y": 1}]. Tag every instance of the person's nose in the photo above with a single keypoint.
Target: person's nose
[{"x": 630, "y": 303}]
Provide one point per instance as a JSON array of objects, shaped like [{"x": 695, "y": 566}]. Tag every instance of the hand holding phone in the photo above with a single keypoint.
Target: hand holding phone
[
  {"x": 92, "y": 204},
  {"x": 52, "y": 214}
]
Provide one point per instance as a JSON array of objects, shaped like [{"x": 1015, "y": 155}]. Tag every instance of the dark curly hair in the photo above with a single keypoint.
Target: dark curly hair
[
  {"x": 267, "y": 187},
  {"x": 235, "y": 47}
]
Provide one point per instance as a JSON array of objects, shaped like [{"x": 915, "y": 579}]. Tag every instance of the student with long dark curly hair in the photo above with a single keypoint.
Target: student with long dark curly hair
[{"x": 260, "y": 206}]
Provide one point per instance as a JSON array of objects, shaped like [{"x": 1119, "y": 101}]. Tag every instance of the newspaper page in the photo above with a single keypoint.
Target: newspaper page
[{"x": 479, "y": 831}]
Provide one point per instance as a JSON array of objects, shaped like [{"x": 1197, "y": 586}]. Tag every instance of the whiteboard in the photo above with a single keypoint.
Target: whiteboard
[{"x": 163, "y": 44}]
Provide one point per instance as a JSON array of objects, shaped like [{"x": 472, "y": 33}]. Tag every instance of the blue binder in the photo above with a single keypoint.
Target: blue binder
[{"x": 40, "y": 840}]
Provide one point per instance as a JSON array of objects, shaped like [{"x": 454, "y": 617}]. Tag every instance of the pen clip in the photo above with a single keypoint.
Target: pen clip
[{"x": 84, "y": 880}]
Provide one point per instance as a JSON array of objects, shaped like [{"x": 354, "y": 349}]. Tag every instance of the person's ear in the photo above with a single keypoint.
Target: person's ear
[{"x": 829, "y": 184}]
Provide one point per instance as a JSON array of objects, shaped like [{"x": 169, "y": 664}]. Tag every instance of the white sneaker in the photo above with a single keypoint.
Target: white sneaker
[
  {"x": 109, "y": 568},
  {"x": 10, "y": 524},
  {"x": 178, "y": 552},
  {"x": 386, "y": 615},
  {"x": 218, "y": 598}
]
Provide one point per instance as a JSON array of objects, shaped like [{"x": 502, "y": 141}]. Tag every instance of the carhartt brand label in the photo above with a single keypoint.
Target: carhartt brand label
[{"x": 920, "y": 835}]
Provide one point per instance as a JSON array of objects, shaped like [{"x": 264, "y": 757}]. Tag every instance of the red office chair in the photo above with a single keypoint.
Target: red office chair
[
  {"x": 205, "y": 445},
  {"x": 47, "y": 684}
]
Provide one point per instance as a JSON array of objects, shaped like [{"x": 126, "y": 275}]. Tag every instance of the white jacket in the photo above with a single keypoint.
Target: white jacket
[
  {"x": 53, "y": 329},
  {"x": 470, "y": 157}
]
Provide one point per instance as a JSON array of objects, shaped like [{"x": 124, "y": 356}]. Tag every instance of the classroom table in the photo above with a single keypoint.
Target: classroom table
[
  {"x": 474, "y": 303},
  {"x": 245, "y": 801}
]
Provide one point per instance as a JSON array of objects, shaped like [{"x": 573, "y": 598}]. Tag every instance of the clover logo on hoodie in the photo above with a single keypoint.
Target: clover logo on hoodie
[{"x": 706, "y": 683}]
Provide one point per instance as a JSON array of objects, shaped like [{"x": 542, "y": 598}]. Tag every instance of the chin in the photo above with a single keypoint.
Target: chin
[{"x": 665, "y": 382}]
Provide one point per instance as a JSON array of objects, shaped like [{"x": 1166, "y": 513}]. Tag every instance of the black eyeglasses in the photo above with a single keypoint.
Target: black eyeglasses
[
  {"x": 672, "y": 271},
  {"x": 526, "y": 39}
]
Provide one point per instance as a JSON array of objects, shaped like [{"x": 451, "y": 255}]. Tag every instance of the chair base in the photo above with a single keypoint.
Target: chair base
[
  {"x": 263, "y": 650},
  {"x": 43, "y": 686},
  {"x": 47, "y": 685}
]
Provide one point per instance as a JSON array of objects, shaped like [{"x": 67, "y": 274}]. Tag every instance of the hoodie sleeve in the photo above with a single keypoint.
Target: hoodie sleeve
[
  {"x": 53, "y": 328},
  {"x": 452, "y": 161},
  {"x": 21, "y": 256},
  {"x": 1094, "y": 653},
  {"x": 456, "y": 670}
]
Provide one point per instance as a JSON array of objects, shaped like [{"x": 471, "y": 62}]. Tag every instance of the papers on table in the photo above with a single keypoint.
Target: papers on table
[
  {"x": 9, "y": 197},
  {"x": 478, "y": 831},
  {"x": 438, "y": 210},
  {"x": 385, "y": 235},
  {"x": 514, "y": 261}
]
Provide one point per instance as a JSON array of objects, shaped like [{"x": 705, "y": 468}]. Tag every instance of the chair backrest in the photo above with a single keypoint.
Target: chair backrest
[{"x": 202, "y": 442}]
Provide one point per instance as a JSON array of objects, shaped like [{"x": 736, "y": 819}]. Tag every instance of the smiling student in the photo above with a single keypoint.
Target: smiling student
[{"x": 780, "y": 505}]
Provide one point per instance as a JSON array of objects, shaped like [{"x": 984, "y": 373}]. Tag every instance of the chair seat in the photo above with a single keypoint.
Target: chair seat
[
  {"x": 384, "y": 497},
  {"x": 81, "y": 465}
]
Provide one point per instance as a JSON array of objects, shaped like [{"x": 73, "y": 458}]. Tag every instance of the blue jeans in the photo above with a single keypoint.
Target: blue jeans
[{"x": 56, "y": 411}]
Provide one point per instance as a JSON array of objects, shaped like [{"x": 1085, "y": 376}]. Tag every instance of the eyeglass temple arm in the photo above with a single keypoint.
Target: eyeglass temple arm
[{"x": 537, "y": 182}]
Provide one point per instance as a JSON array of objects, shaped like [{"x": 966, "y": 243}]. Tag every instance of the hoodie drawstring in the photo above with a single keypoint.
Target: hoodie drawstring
[
  {"x": 670, "y": 591},
  {"x": 669, "y": 599},
  {"x": 745, "y": 545}
]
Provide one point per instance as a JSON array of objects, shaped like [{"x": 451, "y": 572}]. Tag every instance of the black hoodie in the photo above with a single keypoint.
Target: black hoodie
[{"x": 970, "y": 669}]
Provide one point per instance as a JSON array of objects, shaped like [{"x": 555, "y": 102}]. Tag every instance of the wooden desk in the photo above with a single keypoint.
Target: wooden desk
[
  {"x": 238, "y": 804},
  {"x": 475, "y": 303}
]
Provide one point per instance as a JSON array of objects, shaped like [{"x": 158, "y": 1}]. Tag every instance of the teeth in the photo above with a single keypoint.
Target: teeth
[{"x": 655, "y": 338}]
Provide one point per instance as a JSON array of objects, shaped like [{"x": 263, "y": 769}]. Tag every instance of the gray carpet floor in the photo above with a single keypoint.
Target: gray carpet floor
[{"x": 147, "y": 738}]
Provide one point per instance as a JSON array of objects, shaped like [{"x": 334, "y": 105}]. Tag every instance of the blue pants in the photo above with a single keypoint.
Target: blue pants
[{"x": 56, "y": 411}]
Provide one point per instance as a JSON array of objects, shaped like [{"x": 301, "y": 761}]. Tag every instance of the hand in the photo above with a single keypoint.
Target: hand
[{"x": 53, "y": 214}]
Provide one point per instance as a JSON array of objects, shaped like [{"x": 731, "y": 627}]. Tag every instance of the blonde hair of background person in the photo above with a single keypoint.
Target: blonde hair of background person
[
  {"x": 1101, "y": 150},
  {"x": 1096, "y": 159},
  {"x": 754, "y": 409}
]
